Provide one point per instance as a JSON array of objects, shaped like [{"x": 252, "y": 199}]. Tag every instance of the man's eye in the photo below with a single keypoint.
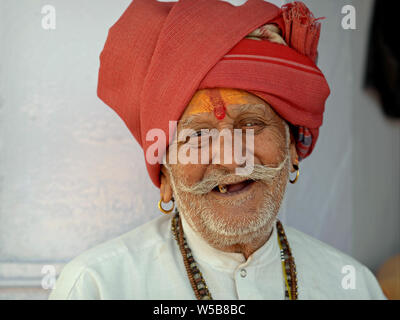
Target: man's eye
[
  {"x": 255, "y": 125},
  {"x": 251, "y": 124},
  {"x": 197, "y": 134}
]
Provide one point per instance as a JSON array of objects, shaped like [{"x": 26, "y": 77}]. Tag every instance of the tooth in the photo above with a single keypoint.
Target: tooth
[{"x": 222, "y": 188}]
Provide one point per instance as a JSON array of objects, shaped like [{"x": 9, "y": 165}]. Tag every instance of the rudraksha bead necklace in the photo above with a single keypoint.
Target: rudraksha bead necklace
[{"x": 196, "y": 278}]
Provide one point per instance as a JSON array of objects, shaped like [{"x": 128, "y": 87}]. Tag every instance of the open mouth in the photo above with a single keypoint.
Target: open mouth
[{"x": 234, "y": 188}]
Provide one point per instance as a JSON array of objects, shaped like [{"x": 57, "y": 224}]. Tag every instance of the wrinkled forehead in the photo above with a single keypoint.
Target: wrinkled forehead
[{"x": 220, "y": 101}]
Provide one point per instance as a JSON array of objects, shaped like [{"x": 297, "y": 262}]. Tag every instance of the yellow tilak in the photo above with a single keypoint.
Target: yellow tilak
[{"x": 201, "y": 101}]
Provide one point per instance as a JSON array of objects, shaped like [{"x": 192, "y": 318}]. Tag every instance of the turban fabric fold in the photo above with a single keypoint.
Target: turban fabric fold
[{"x": 158, "y": 54}]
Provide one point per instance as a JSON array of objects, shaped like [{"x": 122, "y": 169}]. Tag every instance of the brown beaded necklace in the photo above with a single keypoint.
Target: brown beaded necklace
[{"x": 196, "y": 278}]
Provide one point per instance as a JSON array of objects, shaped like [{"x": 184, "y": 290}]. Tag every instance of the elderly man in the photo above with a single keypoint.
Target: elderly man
[{"x": 191, "y": 70}]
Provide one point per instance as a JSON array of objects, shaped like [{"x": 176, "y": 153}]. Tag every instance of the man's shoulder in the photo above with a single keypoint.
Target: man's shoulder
[
  {"x": 329, "y": 272},
  {"x": 106, "y": 260},
  {"x": 135, "y": 241},
  {"x": 311, "y": 247}
]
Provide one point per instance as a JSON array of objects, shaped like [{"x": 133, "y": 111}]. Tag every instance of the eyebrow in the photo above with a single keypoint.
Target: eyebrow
[{"x": 189, "y": 120}]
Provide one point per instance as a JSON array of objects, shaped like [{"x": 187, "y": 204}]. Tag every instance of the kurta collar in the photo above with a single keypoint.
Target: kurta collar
[{"x": 229, "y": 261}]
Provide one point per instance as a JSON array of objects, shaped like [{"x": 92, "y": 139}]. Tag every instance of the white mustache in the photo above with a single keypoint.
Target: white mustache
[{"x": 259, "y": 173}]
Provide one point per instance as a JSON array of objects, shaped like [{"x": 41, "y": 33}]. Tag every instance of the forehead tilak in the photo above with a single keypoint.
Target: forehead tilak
[
  {"x": 216, "y": 100},
  {"x": 238, "y": 108}
]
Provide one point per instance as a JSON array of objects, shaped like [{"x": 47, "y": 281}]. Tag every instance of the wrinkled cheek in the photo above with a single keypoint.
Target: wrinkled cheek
[
  {"x": 269, "y": 149},
  {"x": 189, "y": 174},
  {"x": 279, "y": 186}
]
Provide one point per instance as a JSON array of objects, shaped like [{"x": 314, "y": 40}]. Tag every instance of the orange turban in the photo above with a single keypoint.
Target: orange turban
[{"x": 158, "y": 54}]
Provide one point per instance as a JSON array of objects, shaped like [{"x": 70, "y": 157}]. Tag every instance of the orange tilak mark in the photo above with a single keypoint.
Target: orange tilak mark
[
  {"x": 218, "y": 103},
  {"x": 234, "y": 96},
  {"x": 200, "y": 103}
]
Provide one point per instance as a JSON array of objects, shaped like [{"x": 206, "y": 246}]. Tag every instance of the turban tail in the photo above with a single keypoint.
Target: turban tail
[{"x": 158, "y": 54}]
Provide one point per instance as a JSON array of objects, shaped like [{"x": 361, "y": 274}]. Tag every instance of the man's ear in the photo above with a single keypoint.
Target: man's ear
[
  {"x": 166, "y": 192},
  {"x": 294, "y": 158}
]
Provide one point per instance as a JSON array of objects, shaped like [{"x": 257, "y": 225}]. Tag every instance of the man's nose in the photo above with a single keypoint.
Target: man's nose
[{"x": 224, "y": 148}]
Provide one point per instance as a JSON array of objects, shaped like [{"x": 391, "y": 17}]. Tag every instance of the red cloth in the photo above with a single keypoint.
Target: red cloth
[{"x": 158, "y": 54}]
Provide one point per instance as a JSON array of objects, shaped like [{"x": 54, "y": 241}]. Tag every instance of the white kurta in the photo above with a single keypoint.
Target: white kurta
[{"x": 146, "y": 263}]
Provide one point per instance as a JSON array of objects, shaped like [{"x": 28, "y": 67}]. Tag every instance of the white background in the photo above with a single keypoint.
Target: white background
[{"x": 72, "y": 176}]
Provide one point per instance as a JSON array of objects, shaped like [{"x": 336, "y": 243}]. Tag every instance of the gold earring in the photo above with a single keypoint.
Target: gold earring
[
  {"x": 296, "y": 167},
  {"x": 163, "y": 210}
]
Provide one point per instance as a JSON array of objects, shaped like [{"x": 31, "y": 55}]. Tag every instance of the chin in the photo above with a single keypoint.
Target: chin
[
  {"x": 238, "y": 222},
  {"x": 234, "y": 235}
]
